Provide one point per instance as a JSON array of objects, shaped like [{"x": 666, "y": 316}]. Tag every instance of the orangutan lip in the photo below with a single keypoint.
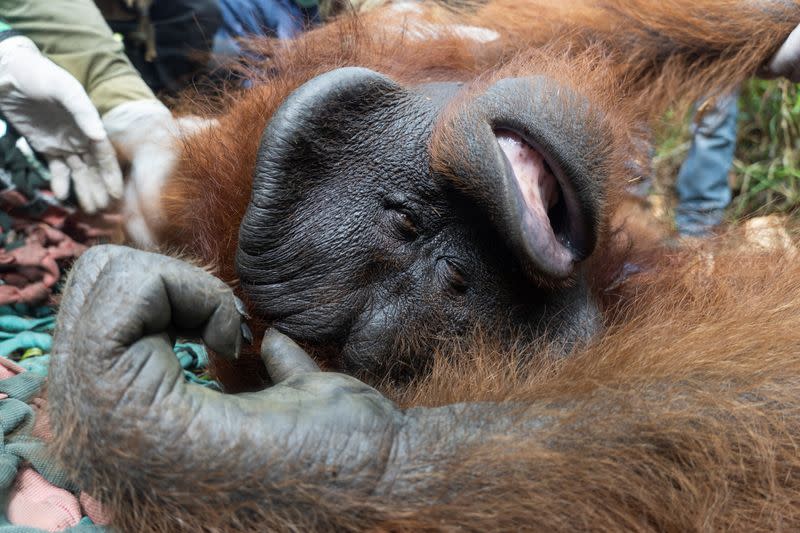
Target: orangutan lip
[{"x": 552, "y": 218}]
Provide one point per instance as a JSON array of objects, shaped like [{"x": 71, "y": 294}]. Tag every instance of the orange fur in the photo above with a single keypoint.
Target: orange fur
[
  {"x": 682, "y": 415},
  {"x": 610, "y": 50}
]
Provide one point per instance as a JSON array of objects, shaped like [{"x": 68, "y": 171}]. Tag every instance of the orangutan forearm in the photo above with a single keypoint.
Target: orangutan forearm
[{"x": 312, "y": 435}]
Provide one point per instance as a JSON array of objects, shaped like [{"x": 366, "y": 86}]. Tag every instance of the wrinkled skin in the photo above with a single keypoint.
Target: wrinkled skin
[
  {"x": 121, "y": 311},
  {"x": 413, "y": 244},
  {"x": 370, "y": 242},
  {"x": 154, "y": 297}
]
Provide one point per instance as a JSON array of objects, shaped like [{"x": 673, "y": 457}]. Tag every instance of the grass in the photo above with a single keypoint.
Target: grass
[{"x": 765, "y": 178}]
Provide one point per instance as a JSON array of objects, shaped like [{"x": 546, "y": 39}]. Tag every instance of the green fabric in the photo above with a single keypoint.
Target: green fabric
[
  {"x": 26, "y": 330},
  {"x": 23, "y": 327},
  {"x": 25, "y": 310},
  {"x": 74, "y": 35},
  {"x": 307, "y": 4},
  {"x": 84, "y": 526},
  {"x": 24, "y": 340},
  {"x": 22, "y": 387},
  {"x": 10, "y": 324}
]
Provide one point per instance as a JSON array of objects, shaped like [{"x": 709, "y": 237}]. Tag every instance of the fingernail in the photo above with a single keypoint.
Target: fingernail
[
  {"x": 247, "y": 334},
  {"x": 238, "y": 347},
  {"x": 240, "y": 307}
]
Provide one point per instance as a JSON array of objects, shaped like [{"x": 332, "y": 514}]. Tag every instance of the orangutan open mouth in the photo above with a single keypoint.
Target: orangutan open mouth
[{"x": 551, "y": 216}]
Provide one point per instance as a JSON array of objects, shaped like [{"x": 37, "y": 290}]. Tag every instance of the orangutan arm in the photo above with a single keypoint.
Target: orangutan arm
[
  {"x": 640, "y": 448},
  {"x": 133, "y": 431}
]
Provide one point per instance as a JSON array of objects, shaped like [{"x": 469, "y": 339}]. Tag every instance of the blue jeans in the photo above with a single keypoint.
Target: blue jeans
[{"x": 702, "y": 184}]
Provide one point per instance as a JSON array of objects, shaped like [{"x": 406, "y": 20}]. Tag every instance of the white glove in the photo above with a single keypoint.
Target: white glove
[
  {"x": 786, "y": 61},
  {"x": 147, "y": 136},
  {"x": 52, "y": 111}
]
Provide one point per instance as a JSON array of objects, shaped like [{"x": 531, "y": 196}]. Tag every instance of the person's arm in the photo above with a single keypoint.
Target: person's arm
[
  {"x": 74, "y": 35},
  {"x": 50, "y": 108}
]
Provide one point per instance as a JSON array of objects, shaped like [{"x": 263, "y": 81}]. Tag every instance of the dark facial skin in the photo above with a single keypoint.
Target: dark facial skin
[
  {"x": 353, "y": 241},
  {"x": 670, "y": 423}
]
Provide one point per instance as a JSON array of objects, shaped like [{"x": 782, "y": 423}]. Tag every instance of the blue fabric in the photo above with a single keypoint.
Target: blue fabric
[
  {"x": 243, "y": 18},
  {"x": 27, "y": 330},
  {"x": 253, "y": 18},
  {"x": 37, "y": 364},
  {"x": 194, "y": 358},
  {"x": 702, "y": 184}
]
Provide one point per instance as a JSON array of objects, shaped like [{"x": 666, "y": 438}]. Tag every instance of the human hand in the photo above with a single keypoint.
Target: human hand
[
  {"x": 52, "y": 111},
  {"x": 786, "y": 61},
  {"x": 146, "y": 135}
]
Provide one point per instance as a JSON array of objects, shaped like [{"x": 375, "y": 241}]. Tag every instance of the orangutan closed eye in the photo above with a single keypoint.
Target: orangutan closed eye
[
  {"x": 425, "y": 203},
  {"x": 369, "y": 241}
]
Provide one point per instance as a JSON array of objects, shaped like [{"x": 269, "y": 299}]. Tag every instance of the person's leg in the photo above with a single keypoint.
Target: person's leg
[{"x": 702, "y": 184}]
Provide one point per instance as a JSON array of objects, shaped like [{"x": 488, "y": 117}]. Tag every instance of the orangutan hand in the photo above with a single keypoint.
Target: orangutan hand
[{"x": 115, "y": 377}]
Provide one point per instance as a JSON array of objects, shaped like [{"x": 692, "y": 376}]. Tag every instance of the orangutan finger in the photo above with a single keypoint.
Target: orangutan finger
[{"x": 284, "y": 358}]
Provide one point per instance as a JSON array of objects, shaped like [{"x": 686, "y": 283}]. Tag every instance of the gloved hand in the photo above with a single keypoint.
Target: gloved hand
[
  {"x": 53, "y": 112},
  {"x": 145, "y": 135},
  {"x": 786, "y": 61}
]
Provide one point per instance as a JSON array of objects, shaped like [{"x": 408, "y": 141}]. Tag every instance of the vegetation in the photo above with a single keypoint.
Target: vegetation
[{"x": 765, "y": 177}]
